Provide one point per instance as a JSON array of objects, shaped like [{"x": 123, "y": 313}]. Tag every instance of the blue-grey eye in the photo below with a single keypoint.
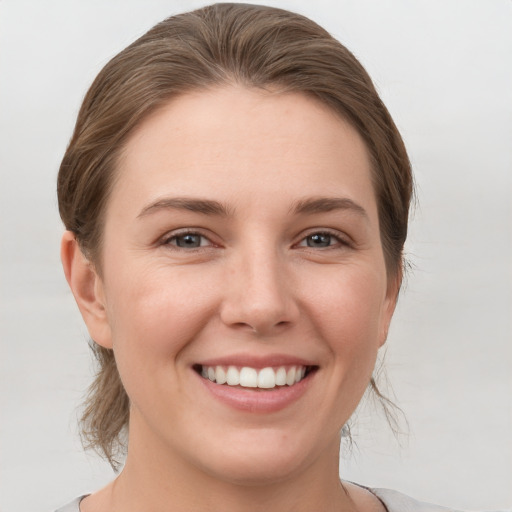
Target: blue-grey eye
[
  {"x": 188, "y": 240},
  {"x": 319, "y": 240}
]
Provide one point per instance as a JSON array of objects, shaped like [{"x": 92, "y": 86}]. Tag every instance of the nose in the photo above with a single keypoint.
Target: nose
[{"x": 258, "y": 295}]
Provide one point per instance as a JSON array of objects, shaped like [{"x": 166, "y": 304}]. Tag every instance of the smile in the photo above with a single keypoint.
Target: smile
[{"x": 248, "y": 377}]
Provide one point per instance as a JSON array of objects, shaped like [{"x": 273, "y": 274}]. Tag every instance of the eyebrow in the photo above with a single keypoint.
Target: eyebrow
[
  {"x": 328, "y": 204},
  {"x": 204, "y": 206},
  {"x": 210, "y": 207}
]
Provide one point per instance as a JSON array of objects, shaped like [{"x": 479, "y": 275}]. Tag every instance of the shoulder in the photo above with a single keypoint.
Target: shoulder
[
  {"x": 395, "y": 501},
  {"x": 72, "y": 506},
  {"x": 363, "y": 498},
  {"x": 388, "y": 500}
]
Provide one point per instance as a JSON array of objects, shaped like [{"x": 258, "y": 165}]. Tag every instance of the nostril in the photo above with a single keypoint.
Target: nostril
[
  {"x": 260, "y": 328},
  {"x": 243, "y": 326}
]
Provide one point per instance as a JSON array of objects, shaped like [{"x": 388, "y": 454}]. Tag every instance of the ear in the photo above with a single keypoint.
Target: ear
[
  {"x": 87, "y": 288},
  {"x": 393, "y": 289}
]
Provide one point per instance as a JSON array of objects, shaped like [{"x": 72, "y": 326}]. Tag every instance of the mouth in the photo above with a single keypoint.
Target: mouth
[{"x": 247, "y": 377}]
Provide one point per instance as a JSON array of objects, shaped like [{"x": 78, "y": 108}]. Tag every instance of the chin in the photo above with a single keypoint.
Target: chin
[
  {"x": 259, "y": 460},
  {"x": 250, "y": 472}
]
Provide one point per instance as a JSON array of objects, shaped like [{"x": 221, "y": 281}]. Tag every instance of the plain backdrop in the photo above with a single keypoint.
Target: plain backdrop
[{"x": 444, "y": 68}]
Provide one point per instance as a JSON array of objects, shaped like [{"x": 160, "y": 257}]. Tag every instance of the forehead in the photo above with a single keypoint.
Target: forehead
[{"x": 240, "y": 141}]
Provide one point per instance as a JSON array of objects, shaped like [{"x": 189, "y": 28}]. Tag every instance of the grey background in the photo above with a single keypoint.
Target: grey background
[{"x": 444, "y": 69}]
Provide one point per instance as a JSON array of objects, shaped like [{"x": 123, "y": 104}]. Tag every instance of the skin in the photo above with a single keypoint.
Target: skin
[{"x": 256, "y": 286}]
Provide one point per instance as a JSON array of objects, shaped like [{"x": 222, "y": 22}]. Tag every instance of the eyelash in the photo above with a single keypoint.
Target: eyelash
[
  {"x": 170, "y": 239},
  {"x": 340, "y": 241}
]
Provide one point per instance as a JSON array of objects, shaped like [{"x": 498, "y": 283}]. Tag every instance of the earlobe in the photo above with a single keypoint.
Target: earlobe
[{"x": 87, "y": 288}]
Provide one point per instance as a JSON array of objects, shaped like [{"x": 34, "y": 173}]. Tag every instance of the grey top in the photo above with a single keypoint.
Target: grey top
[{"x": 394, "y": 502}]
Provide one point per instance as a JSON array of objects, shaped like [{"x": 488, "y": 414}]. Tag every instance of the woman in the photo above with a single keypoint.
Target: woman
[{"x": 236, "y": 199}]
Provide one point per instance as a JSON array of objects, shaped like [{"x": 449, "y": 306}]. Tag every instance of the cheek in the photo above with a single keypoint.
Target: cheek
[
  {"x": 348, "y": 312},
  {"x": 349, "y": 303},
  {"x": 155, "y": 314},
  {"x": 345, "y": 308}
]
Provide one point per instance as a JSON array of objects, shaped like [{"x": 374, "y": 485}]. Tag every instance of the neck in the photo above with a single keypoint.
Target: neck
[{"x": 158, "y": 479}]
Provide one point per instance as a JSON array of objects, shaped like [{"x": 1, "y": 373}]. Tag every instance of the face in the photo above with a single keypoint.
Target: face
[{"x": 243, "y": 281}]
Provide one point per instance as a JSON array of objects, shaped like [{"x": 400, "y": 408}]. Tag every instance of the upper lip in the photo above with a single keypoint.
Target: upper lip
[{"x": 257, "y": 362}]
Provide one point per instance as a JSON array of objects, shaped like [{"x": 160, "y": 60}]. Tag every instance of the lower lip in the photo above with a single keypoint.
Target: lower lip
[{"x": 258, "y": 400}]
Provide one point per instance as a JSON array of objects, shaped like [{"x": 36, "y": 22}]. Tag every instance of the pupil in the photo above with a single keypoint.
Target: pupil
[
  {"x": 188, "y": 241},
  {"x": 319, "y": 240}
]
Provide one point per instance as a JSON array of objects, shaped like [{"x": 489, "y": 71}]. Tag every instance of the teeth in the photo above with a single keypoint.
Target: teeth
[
  {"x": 220, "y": 375},
  {"x": 290, "y": 376},
  {"x": 281, "y": 376},
  {"x": 266, "y": 378},
  {"x": 232, "y": 376},
  {"x": 248, "y": 377}
]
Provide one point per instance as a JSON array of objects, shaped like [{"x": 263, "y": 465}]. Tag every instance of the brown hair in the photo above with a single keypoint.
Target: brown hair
[{"x": 252, "y": 45}]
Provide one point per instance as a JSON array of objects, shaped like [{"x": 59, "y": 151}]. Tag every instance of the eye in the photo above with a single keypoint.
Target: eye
[
  {"x": 188, "y": 241},
  {"x": 321, "y": 240}
]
